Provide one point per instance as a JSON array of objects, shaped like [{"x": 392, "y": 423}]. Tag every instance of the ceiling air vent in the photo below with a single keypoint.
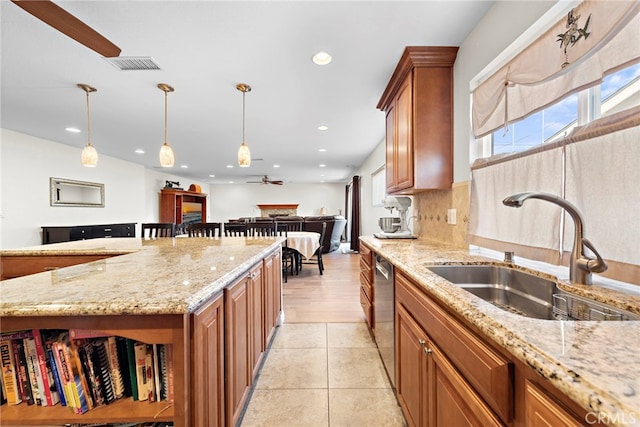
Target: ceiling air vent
[{"x": 133, "y": 63}]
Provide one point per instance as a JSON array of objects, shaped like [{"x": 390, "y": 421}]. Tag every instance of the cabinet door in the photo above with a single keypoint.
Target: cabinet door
[
  {"x": 237, "y": 348},
  {"x": 412, "y": 368},
  {"x": 403, "y": 161},
  {"x": 256, "y": 331},
  {"x": 208, "y": 364},
  {"x": 390, "y": 147},
  {"x": 541, "y": 410},
  {"x": 272, "y": 294},
  {"x": 455, "y": 403}
]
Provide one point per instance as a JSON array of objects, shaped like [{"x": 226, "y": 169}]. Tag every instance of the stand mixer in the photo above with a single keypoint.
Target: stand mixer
[{"x": 401, "y": 204}]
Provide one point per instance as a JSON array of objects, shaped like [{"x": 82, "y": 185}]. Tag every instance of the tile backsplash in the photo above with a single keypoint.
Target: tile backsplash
[{"x": 432, "y": 208}]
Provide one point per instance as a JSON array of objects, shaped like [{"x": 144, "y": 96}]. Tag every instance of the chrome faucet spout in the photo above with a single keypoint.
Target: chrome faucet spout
[{"x": 581, "y": 265}]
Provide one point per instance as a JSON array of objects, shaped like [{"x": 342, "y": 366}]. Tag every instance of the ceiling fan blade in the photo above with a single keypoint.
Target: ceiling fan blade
[
  {"x": 276, "y": 182},
  {"x": 55, "y": 16}
]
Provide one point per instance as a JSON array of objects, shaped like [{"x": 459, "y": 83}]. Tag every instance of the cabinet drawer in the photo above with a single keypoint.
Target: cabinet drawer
[
  {"x": 365, "y": 252},
  {"x": 486, "y": 370},
  {"x": 366, "y": 285},
  {"x": 81, "y": 233},
  {"x": 366, "y": 273},
  {"x": 365, "y": 302}
]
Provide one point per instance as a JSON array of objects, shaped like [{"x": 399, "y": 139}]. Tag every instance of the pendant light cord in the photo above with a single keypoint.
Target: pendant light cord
[
  {"x": 88, "y": 121},
  {"x": 243, "y": 113},
  {"x": 165, "y": 117}
]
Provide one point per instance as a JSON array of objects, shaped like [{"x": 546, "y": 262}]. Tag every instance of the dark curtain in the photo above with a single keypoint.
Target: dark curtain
[{"x": 355, "y": 213}]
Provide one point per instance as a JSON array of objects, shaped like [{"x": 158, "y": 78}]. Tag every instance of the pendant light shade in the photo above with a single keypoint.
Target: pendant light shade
[
  {"x": 89, "y": 156},
  {"x": 167, "y": 159},
  {"x": 244, "y": 154}
]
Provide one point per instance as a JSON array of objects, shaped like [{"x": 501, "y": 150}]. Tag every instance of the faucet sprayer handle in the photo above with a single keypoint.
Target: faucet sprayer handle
[{"x": 597, "y": 265}]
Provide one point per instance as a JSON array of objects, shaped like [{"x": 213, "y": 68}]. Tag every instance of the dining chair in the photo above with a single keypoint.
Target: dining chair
[
  {"x": 235, "y": 229},
  {"x": 288, "y": 225},
  {"x": 317, "y": 255},
  {"x": 154, "y": 230},
  {"x": 289, "y": 255},
  {"x": 261, "y": 229},
  {"x": 204, "y": 229}
]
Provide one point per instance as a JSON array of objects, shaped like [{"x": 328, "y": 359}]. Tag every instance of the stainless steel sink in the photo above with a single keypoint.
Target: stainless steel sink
[{"x": 527, "y": 294}]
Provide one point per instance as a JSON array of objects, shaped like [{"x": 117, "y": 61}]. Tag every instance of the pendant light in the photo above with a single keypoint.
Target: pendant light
[
  {"x": 89, "y": 156},
  {"x": 167, "y": 158},
  {"x": 244, "y": 155}
]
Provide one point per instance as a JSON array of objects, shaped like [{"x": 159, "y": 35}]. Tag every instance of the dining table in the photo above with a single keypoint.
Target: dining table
[{"x": 305, "y": 242}]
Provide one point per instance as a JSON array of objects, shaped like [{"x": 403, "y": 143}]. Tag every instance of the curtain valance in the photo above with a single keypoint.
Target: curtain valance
[{"x": 596, "y": 38}]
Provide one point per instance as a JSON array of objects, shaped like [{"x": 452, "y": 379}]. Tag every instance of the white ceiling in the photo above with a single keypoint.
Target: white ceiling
[{"x": 204, "y": 49}]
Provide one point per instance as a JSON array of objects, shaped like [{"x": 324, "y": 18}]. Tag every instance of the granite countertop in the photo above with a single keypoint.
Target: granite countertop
[
  {"x": 160, "y": 276},
  {"x": 595, "y": 363}
]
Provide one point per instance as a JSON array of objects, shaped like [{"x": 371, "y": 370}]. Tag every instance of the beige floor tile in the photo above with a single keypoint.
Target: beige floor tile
[
  {"x": 301, "y": 335},
  {"x": 287, "y": 408},
  {"x": 356, "y": 368},
  {"x": 360, "y": 407},
  {"x": 294, "y": 368},
  {"x": 349, "y": 335}
]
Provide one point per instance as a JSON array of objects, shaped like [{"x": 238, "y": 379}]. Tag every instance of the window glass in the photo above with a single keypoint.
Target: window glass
[
  {"x": 378, "y": 187},
  {"x": 538, "y": 128},
  {"x": 620, "y": 90}
]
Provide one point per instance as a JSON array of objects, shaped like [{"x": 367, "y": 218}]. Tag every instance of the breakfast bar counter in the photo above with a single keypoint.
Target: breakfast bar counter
[
  {"x": 159, "y": 276},
  {"x": 595, "y": 363}
]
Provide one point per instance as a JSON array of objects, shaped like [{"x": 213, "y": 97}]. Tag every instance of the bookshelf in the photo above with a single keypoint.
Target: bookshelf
[{"x": 182, "y": 207}]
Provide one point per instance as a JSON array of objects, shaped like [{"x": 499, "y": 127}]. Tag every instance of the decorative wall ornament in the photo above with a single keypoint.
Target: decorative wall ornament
[{"x": 573, "y": 34}]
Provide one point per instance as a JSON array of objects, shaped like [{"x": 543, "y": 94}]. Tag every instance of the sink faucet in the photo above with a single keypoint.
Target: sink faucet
[{"x": 580, "y": 266}]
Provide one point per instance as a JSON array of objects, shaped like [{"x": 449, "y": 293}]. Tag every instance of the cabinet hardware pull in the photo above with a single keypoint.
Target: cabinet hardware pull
[
  {"x": 427, "y": 350},
  {"x": 422, "y": 342}
]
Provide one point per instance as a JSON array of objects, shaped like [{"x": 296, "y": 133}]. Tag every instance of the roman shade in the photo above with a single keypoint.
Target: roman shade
[{"x": 605, "y": 39}]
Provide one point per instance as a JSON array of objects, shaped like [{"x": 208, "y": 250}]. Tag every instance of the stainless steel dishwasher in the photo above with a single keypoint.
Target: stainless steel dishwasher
[{"x": 384, "y": 314}]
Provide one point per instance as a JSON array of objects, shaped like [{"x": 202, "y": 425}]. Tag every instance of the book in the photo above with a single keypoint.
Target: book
[
  {"x": 37, "y": 388},
  {"x": 63, "y": 372},
  {"x": 113, "y": 359},
  {"x": 140, "y": 351},
  {"x": 74, "y": 385},
  {"x": 169, "y": 356},
  {"x": 93, "y": 381},
  {"x": 22, "y": 371},
  {"x": 149, "y": 364},
  {"x": 133, "y": 376},
  {"x": 162, "y": 368},
  {"x": 84, "y": 392},
  {"x": 9, "y": 378},
  {"x": 48, "y": 336},
  {"x": 123, "y": 360},
  {"x": 99, "y": 359},
  {"x": 50, "y": 391}
]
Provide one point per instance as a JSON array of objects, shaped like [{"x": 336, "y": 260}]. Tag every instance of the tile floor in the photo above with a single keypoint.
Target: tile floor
[{"x": 324, "y": 375}]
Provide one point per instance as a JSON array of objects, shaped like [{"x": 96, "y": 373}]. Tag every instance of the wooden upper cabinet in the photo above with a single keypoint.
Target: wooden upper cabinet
[{"x": 418, "y": 103}]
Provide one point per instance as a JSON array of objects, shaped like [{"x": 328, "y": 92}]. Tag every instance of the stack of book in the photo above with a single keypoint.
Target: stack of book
[{"x": 82, "y": 369}]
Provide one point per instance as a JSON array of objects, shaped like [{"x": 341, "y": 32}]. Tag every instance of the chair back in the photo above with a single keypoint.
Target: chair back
[
  {"x": 154, "y": 230},
  {"x": 261, "y": 229},
  {"x": 238, "y": 229},
  {"x": 289, "y": 225},
  {"x": 204, "y": 229}
]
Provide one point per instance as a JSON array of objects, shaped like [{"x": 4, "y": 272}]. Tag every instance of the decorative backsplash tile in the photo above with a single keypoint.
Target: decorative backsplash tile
[{"x": 432, "y": 211}]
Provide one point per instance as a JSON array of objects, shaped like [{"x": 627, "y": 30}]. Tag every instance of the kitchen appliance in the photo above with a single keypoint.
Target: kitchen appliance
[
  {"x": 395, "y": 227},
  {"x": 384, "y": 314}
]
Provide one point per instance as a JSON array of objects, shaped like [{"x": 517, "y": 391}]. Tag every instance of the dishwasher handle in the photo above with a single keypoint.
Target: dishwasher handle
[{"x": 380, "y": 266}]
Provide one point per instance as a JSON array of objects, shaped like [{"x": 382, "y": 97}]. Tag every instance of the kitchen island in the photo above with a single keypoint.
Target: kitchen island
[
  {"x": 177, "y": 291},
  {"x": 595, "y": 364}
]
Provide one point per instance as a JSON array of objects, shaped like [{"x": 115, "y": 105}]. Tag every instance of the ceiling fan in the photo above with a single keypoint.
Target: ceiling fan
[
  {"x": 266, "y": 180},
  {"x": 55, "y": 16}
]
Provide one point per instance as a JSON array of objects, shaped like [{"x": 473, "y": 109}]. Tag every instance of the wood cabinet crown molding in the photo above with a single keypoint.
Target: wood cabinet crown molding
[{"x": 415, "y": 57}]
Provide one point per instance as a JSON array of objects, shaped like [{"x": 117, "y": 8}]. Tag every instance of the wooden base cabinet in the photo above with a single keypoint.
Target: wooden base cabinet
[
  {"x": 430, "y": 385},
  {"x": 208, "y": 364},
  {"x": 542, "y": 410},
  {"x": 366, "y": 284}
]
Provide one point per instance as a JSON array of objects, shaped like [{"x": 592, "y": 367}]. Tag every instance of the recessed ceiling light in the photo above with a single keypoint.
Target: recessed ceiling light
[
  {"x": 74, "y": 130},
  {"x": 322, "y": 150},
  {"x": 276, "y": 166},
  {"x": 139, "y": 151},
  {"x": 323, "y": 127},
  {"x": 230, "y": 182},
  {"x": 322, "y": 165},
  {"x": 184, "y": 166},
  {"x": 230, "y": 166},
  {"x": 321, "y": 58},
  {"x": 212, "y": 176}
]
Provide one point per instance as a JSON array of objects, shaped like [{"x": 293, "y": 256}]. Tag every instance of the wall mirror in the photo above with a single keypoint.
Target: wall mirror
[{"x": 66, "y": 192}]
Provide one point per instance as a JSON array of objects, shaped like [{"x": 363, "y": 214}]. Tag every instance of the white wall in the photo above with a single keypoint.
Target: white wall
[
  {"x": 27, "y": 163},
  {"x": 501, "y": 25},
  {"x": 240, "y": 200}
]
